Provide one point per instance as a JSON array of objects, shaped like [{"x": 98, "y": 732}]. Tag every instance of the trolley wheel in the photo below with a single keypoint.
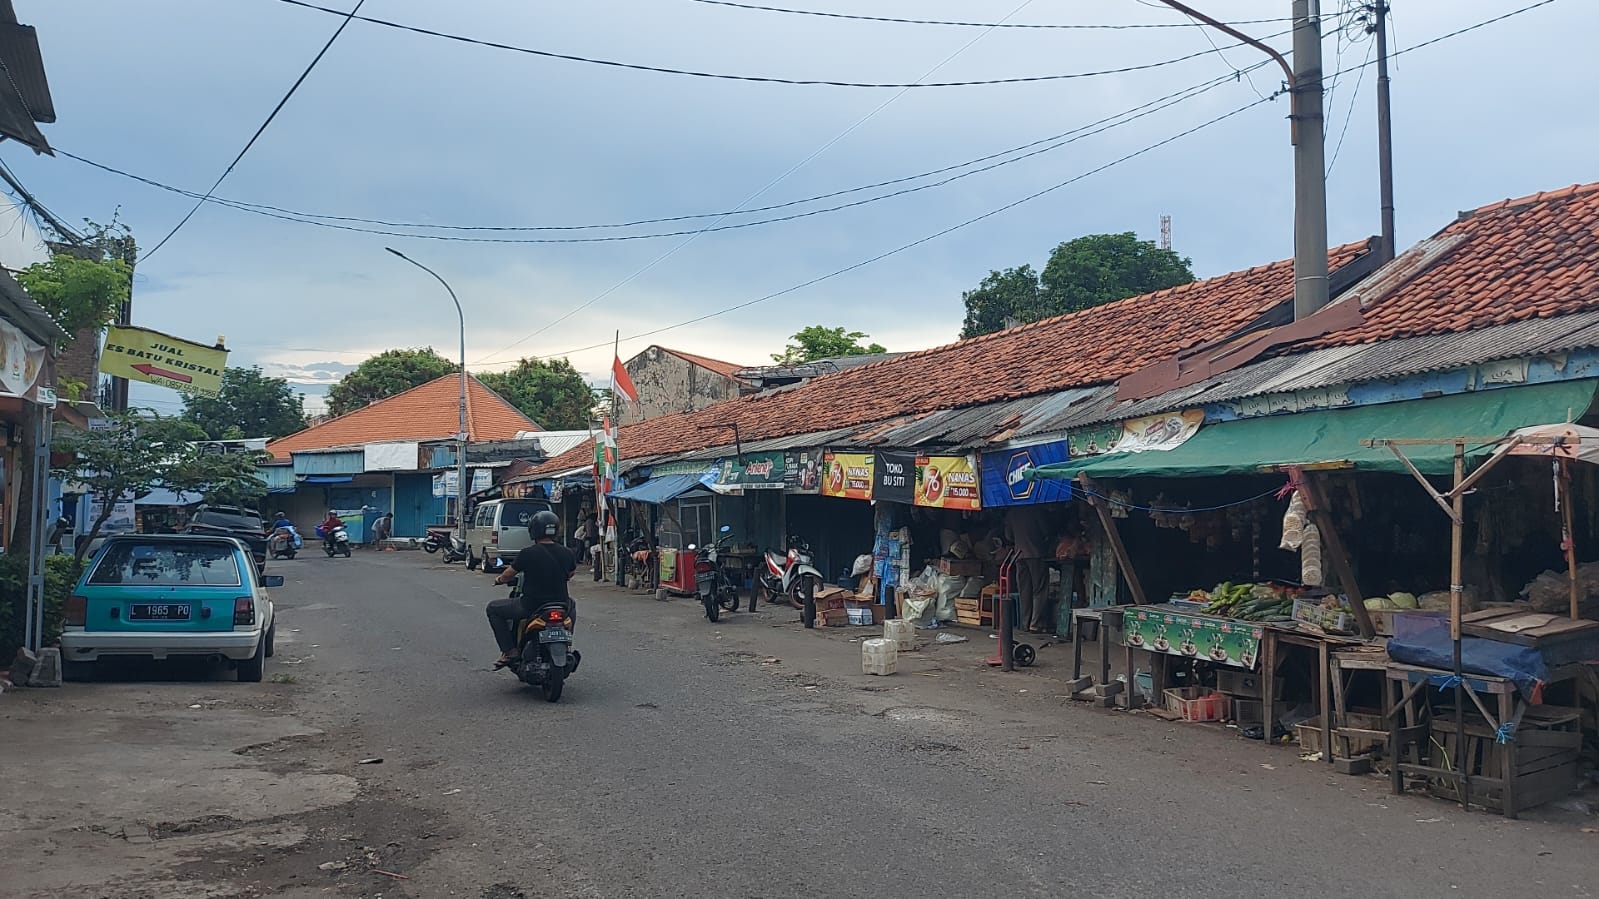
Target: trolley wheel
[{"x": 1024, "y": 654}]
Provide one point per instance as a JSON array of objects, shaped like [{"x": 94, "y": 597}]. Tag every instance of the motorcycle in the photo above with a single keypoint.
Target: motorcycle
[
  {"x": 447, "y": 540},
  {"x": 793, "y": 575},
  {"x": 337, "y": 542},
  {"x": 716, "y": 590},
  {"x": 544, "y": 654},
  {"x": 283, "y": 543}
]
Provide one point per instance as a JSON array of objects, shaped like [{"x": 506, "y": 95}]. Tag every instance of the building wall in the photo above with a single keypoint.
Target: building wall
[{"x": 668, "y": 383}]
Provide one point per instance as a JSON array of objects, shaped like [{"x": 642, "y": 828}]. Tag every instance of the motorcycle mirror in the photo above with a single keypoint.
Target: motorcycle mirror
[
  {"x": 691, "y": 547},
  {"x": 726, "y": 528}
]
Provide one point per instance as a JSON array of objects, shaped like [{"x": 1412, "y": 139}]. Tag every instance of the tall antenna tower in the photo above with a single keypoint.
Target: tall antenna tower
[{"x": 1165, "y": 232}]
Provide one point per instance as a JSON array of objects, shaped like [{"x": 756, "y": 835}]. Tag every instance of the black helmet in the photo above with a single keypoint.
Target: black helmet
[{"x": 544, "y": 524}]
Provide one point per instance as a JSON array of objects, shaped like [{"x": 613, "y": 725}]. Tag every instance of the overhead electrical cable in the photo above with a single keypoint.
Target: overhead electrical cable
[
  {"x": 261, "y": 130},
  {"x": 959, "y": 24}
]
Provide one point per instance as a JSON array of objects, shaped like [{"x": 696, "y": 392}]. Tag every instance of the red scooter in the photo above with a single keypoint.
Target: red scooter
[{"x": 793, "y": 576}]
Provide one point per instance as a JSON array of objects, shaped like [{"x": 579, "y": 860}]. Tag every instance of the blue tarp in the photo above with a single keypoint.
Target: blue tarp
[
  {"x": 662, "y": 489},
  {"x": 1424, "y": 641},
  {"x": 328, "y": 479}
]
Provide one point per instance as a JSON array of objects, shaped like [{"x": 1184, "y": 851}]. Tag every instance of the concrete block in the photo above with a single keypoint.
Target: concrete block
[
  {"x": 22, "y": 666},
  {"x": 1360, "y": 764},
  {"x": 47, "y": 673}
]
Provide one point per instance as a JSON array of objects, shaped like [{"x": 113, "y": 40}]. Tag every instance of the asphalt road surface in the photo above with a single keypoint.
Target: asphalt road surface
[{"x": 752, "y": 759}]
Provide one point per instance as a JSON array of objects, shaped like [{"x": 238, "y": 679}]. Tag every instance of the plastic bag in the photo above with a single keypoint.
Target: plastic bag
[
  {"x": 1310, "y": 572},
  {"x": 949, "y": 588},
  {"x": 862, "y": 565},
  {"x": 1293, "y": 524}
]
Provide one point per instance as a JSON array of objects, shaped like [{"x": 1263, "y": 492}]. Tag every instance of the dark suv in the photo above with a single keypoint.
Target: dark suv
[{"x": 233, "y": 521}]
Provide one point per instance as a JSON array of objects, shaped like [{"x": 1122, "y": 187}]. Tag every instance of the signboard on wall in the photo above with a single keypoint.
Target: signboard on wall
[
  {"x": 847, "y": 475},
  {"x": 894, "y": 478},
  {"x": 1159, "y": 432},
  {"x": 947, "y": 482},
  {"x": 756, "y": 471},
  {"x": 1005, "y": 485},
  {"x": 140, "y": 354},
  {"x": 804, "y": 471}
]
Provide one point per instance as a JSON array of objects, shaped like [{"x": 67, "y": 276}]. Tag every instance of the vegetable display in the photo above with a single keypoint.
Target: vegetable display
[{"x": 1248, "y": 602}]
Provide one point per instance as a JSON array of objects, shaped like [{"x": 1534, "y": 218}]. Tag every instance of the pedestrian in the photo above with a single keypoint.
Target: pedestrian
[
  {"x": 596, "y": 548},
  {"x": 1026, "y": 530},
  {"x": 383, "y": 529}
]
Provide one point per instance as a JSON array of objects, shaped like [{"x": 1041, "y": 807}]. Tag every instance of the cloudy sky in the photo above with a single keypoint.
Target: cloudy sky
[{"x": 402, "y": 127}]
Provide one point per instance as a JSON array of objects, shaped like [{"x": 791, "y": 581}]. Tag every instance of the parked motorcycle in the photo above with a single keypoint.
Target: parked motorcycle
[
  {"x": 337, "y": 542},
  {"x": 544, "y": 654},
  {"x": 447, "y": 540},
  {"x": 716, "y": 590},
  {"x": 283, "y": 543},
  {"x": 793, "y": 575}
]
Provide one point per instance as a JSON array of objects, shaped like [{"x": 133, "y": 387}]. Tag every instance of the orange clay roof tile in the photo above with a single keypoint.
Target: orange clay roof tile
[{"x": 430, "y": 411}]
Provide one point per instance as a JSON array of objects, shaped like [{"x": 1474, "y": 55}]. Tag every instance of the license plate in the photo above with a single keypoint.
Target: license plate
[
  {"x": 159, "y": 612},
  {"x": 555, "y": 635}
]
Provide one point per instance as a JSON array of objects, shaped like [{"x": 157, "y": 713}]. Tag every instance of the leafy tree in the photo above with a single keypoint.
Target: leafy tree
[
  {"x": 817, "y": 342},
  {"x": 250, "y": 404},
  {"x": 134, "y": 454},
  {"x": 384, "y": 375},
  {"x": 552, "y": 392},
  {"x": 1080, "y": 274},
  {"x": 81, "y": 294}
]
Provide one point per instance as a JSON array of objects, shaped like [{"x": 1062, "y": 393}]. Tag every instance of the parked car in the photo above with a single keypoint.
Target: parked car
[
  {"x": 160, "y": 596},
  {"x": 232, "y": 521},
  {"x": 498, "y": 530}
]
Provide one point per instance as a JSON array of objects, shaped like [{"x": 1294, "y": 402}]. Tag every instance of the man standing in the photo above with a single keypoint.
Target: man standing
[{"x": 1027, "y": 531}]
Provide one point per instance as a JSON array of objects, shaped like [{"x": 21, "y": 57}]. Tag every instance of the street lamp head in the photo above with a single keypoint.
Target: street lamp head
[{"x": 398, "y": 253}]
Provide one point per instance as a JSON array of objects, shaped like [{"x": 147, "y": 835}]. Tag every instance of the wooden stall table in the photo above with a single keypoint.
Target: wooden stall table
[
  {"x": 1168, "y": 630},
  {"x": 1271, "y": 654},
  {"x": 1104, "y": 690},
  {"x": 1405, "y": 688}
]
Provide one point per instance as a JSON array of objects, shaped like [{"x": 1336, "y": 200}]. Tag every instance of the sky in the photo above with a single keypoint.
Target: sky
[{"x": 403, "y": 127}]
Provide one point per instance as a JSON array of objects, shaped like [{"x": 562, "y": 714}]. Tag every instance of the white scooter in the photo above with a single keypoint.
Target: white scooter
[{"x": 337, "y": 542}]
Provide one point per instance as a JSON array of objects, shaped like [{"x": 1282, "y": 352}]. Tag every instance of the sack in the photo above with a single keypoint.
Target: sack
[{"x": 1293, "y": 524}]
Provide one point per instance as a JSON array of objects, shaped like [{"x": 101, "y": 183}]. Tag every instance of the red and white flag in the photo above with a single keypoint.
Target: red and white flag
[{"x": 622, "y": 381}]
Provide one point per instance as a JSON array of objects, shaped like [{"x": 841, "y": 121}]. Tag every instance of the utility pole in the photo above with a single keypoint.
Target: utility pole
[
  {"x": 1385, "y": 137},
  {"x": 1310, "y": 165}
]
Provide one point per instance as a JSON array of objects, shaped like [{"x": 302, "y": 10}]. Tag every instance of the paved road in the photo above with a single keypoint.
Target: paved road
[{"x": 684, "y": 762}]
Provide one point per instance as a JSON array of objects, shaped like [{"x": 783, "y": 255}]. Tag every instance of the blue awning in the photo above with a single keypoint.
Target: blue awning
[
  {"x": 662, "y": 489},
  {"x": 277, "y": 490},
  {"x": 329, "y": 479}
]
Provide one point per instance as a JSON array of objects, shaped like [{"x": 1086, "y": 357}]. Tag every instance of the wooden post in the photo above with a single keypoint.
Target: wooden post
[
  {"x": 1114, "y": 534},
  {"x": 1337, "y": 552},
  {"x": 1457, "y": 537},
  {"x": 1570, "y": 533}
]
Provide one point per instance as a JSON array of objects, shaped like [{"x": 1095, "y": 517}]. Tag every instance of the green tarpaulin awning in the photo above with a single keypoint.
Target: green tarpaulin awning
[{"x": 1334, "y": 436}]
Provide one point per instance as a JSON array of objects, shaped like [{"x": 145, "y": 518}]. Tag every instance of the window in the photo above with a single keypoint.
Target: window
[
  {"x": 698, "y": 526},
  {"x": 485, "y": 517},
  {"x": 519, "y": 513},
  {"x": 168, "y": 564}
]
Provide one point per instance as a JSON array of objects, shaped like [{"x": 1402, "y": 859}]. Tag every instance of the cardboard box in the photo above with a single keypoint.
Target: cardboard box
[{"x": 960, "y": 567}]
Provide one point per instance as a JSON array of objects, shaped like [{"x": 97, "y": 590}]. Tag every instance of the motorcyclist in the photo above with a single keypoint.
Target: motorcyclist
[
  {"x": 544, "y": 566},
  {"x": 328, "y": 525},
  {"x": 281, "y": 522}
]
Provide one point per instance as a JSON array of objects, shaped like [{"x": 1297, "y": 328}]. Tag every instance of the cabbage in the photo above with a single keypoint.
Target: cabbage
[
  {"x": 1405, "y": 601},
  {"x": 1380, "y": 604}
]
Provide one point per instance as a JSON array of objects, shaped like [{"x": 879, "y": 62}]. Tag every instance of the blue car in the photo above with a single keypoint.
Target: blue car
[{"x": 155, "y": 596}]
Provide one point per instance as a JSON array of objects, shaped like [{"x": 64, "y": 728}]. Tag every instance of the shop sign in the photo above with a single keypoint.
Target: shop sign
[
  {"x": 1004, "y": 482},
  {"x": 803, "y": 471},
  {"x": 848, "y": 475},
  {"x": 947, "y": 482},
  {"x": 1093, "y": 441},
  {"x": 1220, "y": 640},
  {"x": 123, "y": 514},
  {"x": 1159, "y": 432},
  {"x": 894, "y": 478},
  {"x": 22, "y": 362},
  {"x": 753, "y": 471},
  {"x": 140, "y": 354}
]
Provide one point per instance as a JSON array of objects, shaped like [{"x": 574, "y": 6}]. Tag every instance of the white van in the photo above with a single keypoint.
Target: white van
[{"x": 498, "y": 530}]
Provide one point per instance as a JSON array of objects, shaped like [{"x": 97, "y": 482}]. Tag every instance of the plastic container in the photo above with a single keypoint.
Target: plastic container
[
  {"x": 901, "y": 633},
  {"x": 879, "y": 656},
  {"x": 1196, "y": 704}
]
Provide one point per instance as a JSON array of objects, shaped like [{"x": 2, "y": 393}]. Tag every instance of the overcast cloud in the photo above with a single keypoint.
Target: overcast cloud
[{"x": 410, "y": 128}]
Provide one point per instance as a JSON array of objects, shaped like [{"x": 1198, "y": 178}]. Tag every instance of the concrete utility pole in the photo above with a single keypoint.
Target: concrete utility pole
[
  {"x": 1310, "y": 164},
  {"x": 1385, "y": 136}
]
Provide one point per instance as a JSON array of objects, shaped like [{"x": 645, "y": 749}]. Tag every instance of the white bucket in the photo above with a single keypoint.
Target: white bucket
[
  {"x": 879, "y": 656},
  {"x": 901, "y": 632}
]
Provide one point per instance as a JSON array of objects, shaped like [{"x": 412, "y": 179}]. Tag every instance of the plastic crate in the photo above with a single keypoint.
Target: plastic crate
[
  {"x": 1333, "y": 621},
  {"x": 1196, "y": 704}
]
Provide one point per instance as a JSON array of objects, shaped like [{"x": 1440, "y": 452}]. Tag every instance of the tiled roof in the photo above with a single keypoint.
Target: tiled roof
[
  {"x": 725, "y": 369},
  {"x": 427, "y": 412},
  {"x": 1533, "y": 257}
]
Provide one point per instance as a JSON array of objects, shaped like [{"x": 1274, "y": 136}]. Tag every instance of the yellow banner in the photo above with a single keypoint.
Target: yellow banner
[
  {"x": 140, "y": 354},
  {"x": 848, "y": 475},
  {"x": 947, "y": 482}
]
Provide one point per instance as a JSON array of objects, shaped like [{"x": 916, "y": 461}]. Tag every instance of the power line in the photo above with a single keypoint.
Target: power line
[
  {"x": 764, "y": 79},
  {"x": 958, "y": 24},
  {"x": 1077, "y": 134},
  {"x": 293, "y": 214},
  {"x": 1355, "y": 98},
  {"x": 261, "y": 130},
  {"x": 1030, "y": 197}
]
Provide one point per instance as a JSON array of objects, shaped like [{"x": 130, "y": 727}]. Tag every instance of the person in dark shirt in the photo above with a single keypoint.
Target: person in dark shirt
[{"x": 544, "y": 567}]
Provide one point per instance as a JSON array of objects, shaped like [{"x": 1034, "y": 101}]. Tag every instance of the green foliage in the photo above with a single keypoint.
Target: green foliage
[
  {"x": 1080, "y": 274},
  {"x": 551, "y": 392},
  {"x": 384, "y": 375},
  {"x": 250, "y": 404},
  {"x": 80, "y": 294},
  {"x": 60, "y": 575},
  {"x": 133, "y": 455},
  {"x": 817, "y": 342}
]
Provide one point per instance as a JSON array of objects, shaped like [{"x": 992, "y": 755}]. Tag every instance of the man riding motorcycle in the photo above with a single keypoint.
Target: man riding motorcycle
[
  {"x": 544, "y": 566},
  {"x": 326, "y": 527}
]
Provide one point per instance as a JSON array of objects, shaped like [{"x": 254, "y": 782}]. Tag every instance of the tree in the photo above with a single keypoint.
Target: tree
[
  {"x": 80, "y": 294},
  {"x": 250, "y": 404},
  {"x": 550, "y": 392},
  {"x": 384, "y": 375},
  {"x": 817, "y": 342},
  {"x": 1080, "y": 274},
  {"x": 134, "y": 454}
]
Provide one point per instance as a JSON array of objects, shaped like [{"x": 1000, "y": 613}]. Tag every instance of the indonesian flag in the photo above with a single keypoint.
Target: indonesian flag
[{"x": 623, "y": 381}]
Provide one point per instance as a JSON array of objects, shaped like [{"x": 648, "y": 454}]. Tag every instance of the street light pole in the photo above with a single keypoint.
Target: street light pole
[{"x": 461, "y": 435}]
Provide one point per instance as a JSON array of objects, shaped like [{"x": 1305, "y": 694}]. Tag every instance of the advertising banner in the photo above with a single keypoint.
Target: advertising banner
[
  {"x": 140, "y": 354},
  {"x": 804, "y": 471},
  {"x": 758, "y": 471},
  {"x": 848, "y": 475},
  {"x": 947, "y": 482},
  {"x": 1159, "y": 432},
  {"x": 1004, "y": 485},
  {"x": 1220, "y": 640},
  {"x": 21, "y": 361},
  {"x": 894, "y": 478}
]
